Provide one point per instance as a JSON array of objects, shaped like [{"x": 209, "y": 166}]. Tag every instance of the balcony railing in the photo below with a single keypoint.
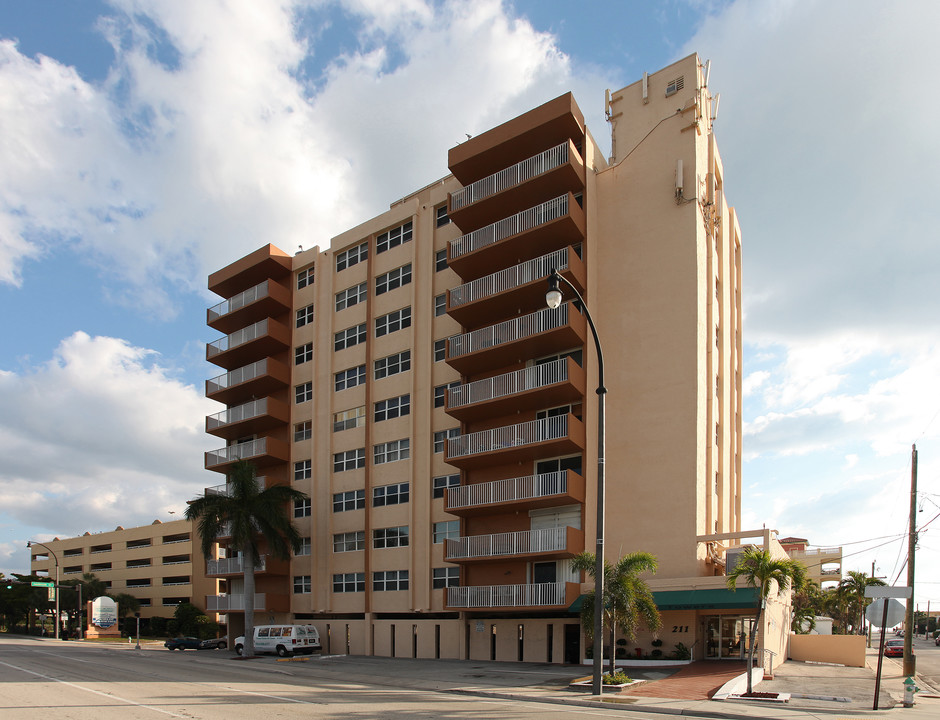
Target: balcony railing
[
  {"x": 253, "y": 409},
  {"x": 238, "y": 376},
  {"x": 508, "y": 436},
  {"x": 511, "y": 176},
  {"x": 508, "y": 331},
  {"x": 511, "y": 490},
  {"x": 226, "y": 489},
  {"x": 239, "y": 337},
  {"x": 228, "y": 566},
  {"x": 512, "y": 383},
  {"x": 493, "y": 596},
  {"x": 239, "y": 301},
  {"x": 236, "y": 452},
  {"x": 509, "y": 278},
  {"x": 814, "y": 552},
  {"x": 520, "y": 222},
  {"x": 223, "y": 603},
  {"x": 836, "y": 572},
  {"x": 523, "y": 542}
]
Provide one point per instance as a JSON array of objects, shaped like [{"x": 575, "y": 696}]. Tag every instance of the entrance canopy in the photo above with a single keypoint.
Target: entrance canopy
[{"x": 707, "y": 599}]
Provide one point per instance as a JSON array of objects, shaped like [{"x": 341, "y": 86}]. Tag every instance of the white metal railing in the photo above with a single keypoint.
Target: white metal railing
[
  {"x": 226, "y": 489},
  {"x": 239, "y": 301},
  {"x": 818, "y": 551},
  {"x": 500, "y": 491},
  {"x": 488, "y": 596},
  {"x": 831, "y": 572},
  {"x": 507, "y": 227},
  {"x": 237, "y": 452},
  {"x": 509, "y": 278},
  {"x": 520, "y": 542},
  {"x": 508, "y": 436},
  {"x": 511, "y": 176},
  {"x": 252, "y": 409},
  {"x": 222, "y": 603},
  {"x": 510, "y": 383},
  {"x": 239, "y": 337},
  {"x": 225, "y": 566},
  {"x": 509, "y": 331},
  {"x": 237, "y": 376}
]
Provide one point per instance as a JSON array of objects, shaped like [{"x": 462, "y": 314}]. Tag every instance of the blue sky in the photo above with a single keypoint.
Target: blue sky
[{"x": 145, "y": 143}]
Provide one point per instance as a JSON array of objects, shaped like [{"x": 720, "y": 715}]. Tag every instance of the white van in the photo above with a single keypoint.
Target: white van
[{"x": 283, "y": 639}]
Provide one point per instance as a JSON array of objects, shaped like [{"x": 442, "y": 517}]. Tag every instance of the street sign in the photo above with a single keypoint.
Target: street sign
[
  {"x": 885, "y": 591},
  {"x": 42, "y": 584},
  {"x": 875, "y": 612}
]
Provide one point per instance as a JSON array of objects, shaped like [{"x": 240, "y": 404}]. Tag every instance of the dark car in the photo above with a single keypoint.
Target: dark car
[
  {"x": 213, "y": 643},
  {"x": 894, "y": 648},
  {"x": 182, "y": 643}
]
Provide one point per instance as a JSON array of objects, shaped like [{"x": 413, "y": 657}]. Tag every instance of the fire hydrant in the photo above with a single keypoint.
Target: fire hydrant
[{"x": 909, "y": 689}]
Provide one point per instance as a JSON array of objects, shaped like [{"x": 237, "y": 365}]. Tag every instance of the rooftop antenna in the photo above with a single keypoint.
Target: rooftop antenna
[
  {"x": 715, "y": 107},
  {"x": 708, "y": 69}
]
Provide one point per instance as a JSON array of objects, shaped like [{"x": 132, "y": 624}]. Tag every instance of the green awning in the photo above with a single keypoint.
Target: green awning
[{"x": 709, "y": 599}]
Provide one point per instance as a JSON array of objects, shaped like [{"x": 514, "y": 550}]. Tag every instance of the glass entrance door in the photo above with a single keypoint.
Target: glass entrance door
[{"x": 726, "y": 637}]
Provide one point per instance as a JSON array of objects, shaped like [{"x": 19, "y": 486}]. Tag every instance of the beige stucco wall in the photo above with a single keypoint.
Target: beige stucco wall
[{"x": 842, "y": 649}]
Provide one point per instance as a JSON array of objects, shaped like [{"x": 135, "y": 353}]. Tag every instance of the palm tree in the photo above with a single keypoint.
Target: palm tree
[
  {"x": 853, "y": 587},
  {"x": 250, "y": 514},
  {"x": 807, "y": 604},
  {"x": 628, "y": 601},
  {"x": 766, "y": 573}
]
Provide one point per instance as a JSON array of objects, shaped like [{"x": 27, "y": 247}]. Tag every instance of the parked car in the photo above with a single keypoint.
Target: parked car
[
  {"x": 213, "y": 643},
  {"x": 283, "y": 640},
  {"x": 894, "y": 648},
  {"x": 182, "y": 643}
]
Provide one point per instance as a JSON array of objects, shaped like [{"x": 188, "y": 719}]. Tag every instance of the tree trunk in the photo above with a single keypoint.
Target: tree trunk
[
  {"x": 752, "y": 648},
  {"x": 248, "y": 559},
  {"x": 613, "y": 645}
]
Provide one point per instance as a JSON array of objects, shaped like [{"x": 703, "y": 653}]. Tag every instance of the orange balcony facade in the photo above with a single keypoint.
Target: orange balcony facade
[
  {"x": 540, "y": 596},
  {"x": 226, "y": 567},
  {"x": 522, "y": 442},
  {"x": 558, "y": 542},
  {"x": 262, "y": 451},
  {"x": 265, "y": 299},
  {"x": 252, "y": 418},
  {"x": 255, "y": 379},
  {"x": 263, "y": 338},
  {"x": 264, "y": 263},
  {"x": 520, "y": 494}
]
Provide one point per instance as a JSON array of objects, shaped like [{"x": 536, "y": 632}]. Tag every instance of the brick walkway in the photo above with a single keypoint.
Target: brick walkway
[{"x": 697, "y": 681}]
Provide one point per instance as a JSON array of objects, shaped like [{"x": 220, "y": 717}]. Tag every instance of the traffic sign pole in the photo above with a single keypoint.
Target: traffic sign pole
[{"x": 881, "y": 654}]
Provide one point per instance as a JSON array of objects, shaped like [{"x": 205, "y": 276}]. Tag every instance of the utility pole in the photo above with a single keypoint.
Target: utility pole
[{"x": 909, "y": 664}]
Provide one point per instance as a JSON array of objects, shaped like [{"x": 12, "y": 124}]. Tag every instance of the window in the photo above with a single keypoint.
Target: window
[
  {"x": 349, "y": 541},
  {"x": 440, "y": 393},
  {"x": 393, "y": 364},
  {"x": 351, "y": 296},
  {"x": 349, "y": 337},
  {"x": 440, "y": 350},
  {"x": 345, "y": 379},
  {"x": 386, "y": 324},
  {"x": 305, "y": 316},
  {"x": 389, "y": 580},
  {"x": 445, "y": 577},
  {"x": 442, "y": 436},
  {"x": 349, "y": 460},
  {"x": 303, "y": 353},
  {"x": 301, "y": 584},
  {"x": 353, "y": 256},
  {"x": 393, "y": 279},
  {"x": 304, "y": 278},
  {"x": 396, "y": 494},
  {"x": 303, "y": 431},
  {"x": 304, "y": 548},
  {"x": 447, "y": 530},
  {"x": 349, "y": 419},
  {"x": 302, "y": 470},
  {"x": 302, "y": 508},
  {"x": 349, "y": 582},
  {"x": 392, "y": 408},
  {"x": 442, "y": 482},
  {"x": 440, "y": 260},
  {"x": 350, "y": 500},
  {"x": 303, "y": 393},
  {"x": 442, "y": 217},
  {"x": 393, "y": 238},
  {"x": 391, "y": 451},
  {"x": 440, "y": 305},
  {"x": 392, "y": 537}
]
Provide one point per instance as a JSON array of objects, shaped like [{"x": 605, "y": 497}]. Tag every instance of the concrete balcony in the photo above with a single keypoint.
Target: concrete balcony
[
  {"x": 550, "y": 384},
  {"x": 236, "y": 566},
  {"x": 520, "y": 493},
  {"x": 550, "y": 225},
  {"x": 252, "y": 418},
  {"x": 528, "y": 336},
  {"x": 266, "y": 337},
  {"x": 266, "y": 299},
  {"x": 522, "y": 285},
  {"x": 559, "y": 542},
  {"x": 236, "y": 603},
  {"x": 226, "y": 489},
  {"x": 256, "y": 379},
  {"x": 262, "y": 451},
  {"x": 522, "y": 442},
  {"x": 550, "y": 173},
  {"x": 542, "y": 595}
]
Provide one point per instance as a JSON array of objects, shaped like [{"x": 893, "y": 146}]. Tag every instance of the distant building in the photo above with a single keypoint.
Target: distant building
[{"x": 823, "y": 564}]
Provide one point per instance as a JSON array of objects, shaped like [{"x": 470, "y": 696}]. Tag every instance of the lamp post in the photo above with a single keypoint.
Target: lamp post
[
  {"x": 553, "y": 299},
  {"x": 29, "y": 544}
]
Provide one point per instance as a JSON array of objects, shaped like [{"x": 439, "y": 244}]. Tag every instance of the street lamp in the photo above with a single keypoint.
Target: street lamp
[
  {"x": 553, "y": 299},
  {"x": 29, "y": 544}
]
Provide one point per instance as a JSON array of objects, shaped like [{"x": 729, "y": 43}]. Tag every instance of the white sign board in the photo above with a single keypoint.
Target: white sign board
[
  {"x": 104, "y": 612},
  {"x": 884, "y": 591},
  {"x": 876, "y": 611}
]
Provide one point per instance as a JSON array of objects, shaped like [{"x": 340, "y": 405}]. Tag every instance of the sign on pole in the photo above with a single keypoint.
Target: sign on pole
[
  {"x": 42, "y": 584},
  {"x": 875, "y": 613},
  {"x": 885, "y": 591}
]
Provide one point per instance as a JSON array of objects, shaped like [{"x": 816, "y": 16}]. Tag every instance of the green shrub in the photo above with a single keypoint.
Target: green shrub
[
  {"x": 618, "y": 678},
  {"x": 681, "y": 652}
]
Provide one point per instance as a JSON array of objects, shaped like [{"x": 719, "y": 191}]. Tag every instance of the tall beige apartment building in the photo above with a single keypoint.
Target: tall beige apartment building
[{"x": 442, "y": 418}]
